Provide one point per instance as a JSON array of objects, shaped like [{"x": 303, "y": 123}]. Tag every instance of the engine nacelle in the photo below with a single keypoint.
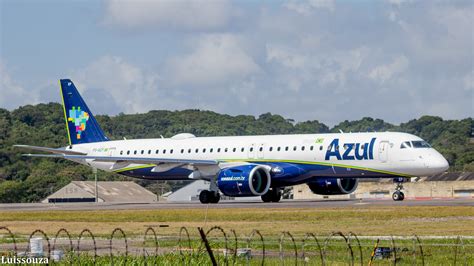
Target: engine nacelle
[
  {"x": 333, "y": 186},
  {"x": 244, "y": 180}
]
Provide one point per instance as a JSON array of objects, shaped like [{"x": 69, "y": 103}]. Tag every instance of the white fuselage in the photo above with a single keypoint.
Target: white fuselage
[{"x": 376, "y": 152}]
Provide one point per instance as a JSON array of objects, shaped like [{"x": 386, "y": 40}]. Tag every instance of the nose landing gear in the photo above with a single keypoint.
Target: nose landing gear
[{"x": 398, "y": 195}]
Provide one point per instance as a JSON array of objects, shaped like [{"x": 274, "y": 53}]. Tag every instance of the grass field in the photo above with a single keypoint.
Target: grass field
[
  {"x": 387, "y": 220},
  {"x": 271, "y": 222}
]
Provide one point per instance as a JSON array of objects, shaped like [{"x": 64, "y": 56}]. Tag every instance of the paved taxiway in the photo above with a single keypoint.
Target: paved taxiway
[{"x": 232, "y": 204}]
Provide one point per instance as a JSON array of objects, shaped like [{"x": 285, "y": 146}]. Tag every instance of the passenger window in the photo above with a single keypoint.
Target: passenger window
[
  {"x": 311, "y": 148},
  {"x": 197, "y": 150},
  {"x": 251, "y": 149},
  {"x": 189, "y": 150},
  {"x": 143, "y": 151},
  {"x": 121, "y": 152},
  {"x": 211, "y": 150},
  {"x": 294, "y": 148},
  {"x": 164, "y": 151},
  {"x": 156, "y": 152},
  {"x": 271, "y": 149},
  {"x": 261, "y": 149},
  {"x": 204, "y": 150},
  {"x": 226, "y": 149},
  {"x": 302, "y": 148},
  {"x": 279, "y": 148},
  {"x": 234, "y": 149},
  {"x": 320, "y": 148},
  {"x": 128, "y": 152},
  {"x": 149, "y": 151},
  {"x": 218, "y": 149},
  {"x": 135, "y": 152},
  {"x": 242, "y": 149},
  {"x": 182, "y": 150},
  {"x": 171, "y": 151},
  {"x": 286, "y": 148}
]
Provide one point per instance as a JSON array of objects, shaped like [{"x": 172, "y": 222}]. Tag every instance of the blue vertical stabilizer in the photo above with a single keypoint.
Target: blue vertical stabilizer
[{"x": 81, "y": 124}]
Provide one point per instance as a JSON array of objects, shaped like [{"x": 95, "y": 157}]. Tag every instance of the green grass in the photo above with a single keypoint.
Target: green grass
[
  {"x": 363, "y": 220},
  {"x": 387, "y": 220}
]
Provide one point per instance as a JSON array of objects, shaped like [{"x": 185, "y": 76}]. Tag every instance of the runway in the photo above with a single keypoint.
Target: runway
[{"x": 232, "y": 204}]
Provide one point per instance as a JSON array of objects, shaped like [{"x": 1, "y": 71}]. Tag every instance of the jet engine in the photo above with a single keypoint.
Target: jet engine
[
  {"x": 244, "y": 180},
  {"x": 333, "y": 186}
]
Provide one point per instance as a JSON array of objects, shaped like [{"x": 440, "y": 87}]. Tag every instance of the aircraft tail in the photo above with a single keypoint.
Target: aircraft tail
[{"x": 80, "y": 123}]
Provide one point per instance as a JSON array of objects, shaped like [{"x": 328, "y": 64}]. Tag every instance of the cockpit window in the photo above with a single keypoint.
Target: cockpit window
[
  {"x": 405, "y": 145},
  {"x": 420, "y": 144}
]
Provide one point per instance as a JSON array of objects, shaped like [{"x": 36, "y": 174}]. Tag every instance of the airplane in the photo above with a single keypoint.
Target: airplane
[{"x": 243, "y": 166}]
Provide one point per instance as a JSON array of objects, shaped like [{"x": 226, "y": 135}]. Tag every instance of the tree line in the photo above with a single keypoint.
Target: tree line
[{"x": 32, "y": 179}]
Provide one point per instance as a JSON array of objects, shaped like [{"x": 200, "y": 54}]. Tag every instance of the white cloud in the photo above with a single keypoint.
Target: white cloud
[
  {"x": 131, "y": 88},
  {"x": 308, "y": 6},
  {"x": 172, "y": 15},
  {"x": 215, "y": 59},
  {"x": 468, "y": 81},
  {"x": 12, "y": 94},
  {"x": 399, "y": 2},
  {"x": 385, "y": 72}
]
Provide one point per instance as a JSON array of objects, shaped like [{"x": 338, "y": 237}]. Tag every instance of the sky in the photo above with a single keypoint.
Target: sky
[{"x": 323, "y": 60}]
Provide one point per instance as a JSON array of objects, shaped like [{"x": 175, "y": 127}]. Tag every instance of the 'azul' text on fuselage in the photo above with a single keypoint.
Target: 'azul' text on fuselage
[{"x": 352, "y": 151}]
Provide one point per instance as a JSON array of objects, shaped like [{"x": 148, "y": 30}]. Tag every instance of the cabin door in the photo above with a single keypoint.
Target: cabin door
[{"x": 383, "y": 151}]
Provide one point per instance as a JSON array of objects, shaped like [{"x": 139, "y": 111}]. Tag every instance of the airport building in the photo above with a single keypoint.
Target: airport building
[
  {"x": 446, "y": 185},
  {"x": 108, "y": 191}
]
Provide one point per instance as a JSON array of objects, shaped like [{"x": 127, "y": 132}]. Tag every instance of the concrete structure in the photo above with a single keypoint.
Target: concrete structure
[
  {"x": 191, "y": 193},
  {"x": 412, "y": 190},
  {"x": 445, "y": 185},
  {"x": 84, "y": 191}
]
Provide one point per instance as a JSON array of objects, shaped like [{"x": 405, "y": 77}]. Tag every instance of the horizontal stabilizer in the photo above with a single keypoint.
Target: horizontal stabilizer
[{"x": 50, "y": 150}]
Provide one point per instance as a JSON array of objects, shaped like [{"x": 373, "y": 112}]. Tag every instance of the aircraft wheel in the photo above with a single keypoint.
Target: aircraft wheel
[
  {"x": 276, "y": 195},
  {"x": 215, "y": 197},
  {"x": 398, "y": 195},
  {"x": 205, "y": 196},
  {"x": 267, "y": 197}
]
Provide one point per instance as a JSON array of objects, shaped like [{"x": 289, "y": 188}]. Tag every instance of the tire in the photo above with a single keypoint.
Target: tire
[
  {"x": 205, "y": 197},
  {"x": 267, "y": 197},
  {"x": 402, "y": 196},
  {"x": 276, "y": 195},
  {"x": 215, "y": 197},
  {"x": 396, "y": 196}
]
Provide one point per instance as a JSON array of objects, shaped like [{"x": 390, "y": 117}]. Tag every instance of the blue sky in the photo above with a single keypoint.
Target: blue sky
[{"x": 316, "y": 59}]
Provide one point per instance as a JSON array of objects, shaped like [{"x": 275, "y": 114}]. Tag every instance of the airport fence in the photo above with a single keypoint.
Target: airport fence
[{"x": 218, "y": 246}]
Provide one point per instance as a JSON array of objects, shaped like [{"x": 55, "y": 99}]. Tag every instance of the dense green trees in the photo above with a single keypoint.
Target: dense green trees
[{"x": 27, "y": 179}]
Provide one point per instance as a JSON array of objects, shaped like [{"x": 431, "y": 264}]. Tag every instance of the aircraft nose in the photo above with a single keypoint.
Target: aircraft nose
[{"x": 438, "y": 163}]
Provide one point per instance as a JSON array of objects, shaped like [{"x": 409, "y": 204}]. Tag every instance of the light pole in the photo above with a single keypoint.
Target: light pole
[{"x": 94, "y": 170}]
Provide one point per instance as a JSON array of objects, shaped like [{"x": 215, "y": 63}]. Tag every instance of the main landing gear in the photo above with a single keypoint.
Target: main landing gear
[
  {"x": 207, "y": 196},
  {"x": 398, "y": 195},
  {"x": 212, "y": 195},
  {"x": 272, "y": 195}
]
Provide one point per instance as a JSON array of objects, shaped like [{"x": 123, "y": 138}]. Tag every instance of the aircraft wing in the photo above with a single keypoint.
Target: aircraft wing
[{"x": 118, "y": 159}]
